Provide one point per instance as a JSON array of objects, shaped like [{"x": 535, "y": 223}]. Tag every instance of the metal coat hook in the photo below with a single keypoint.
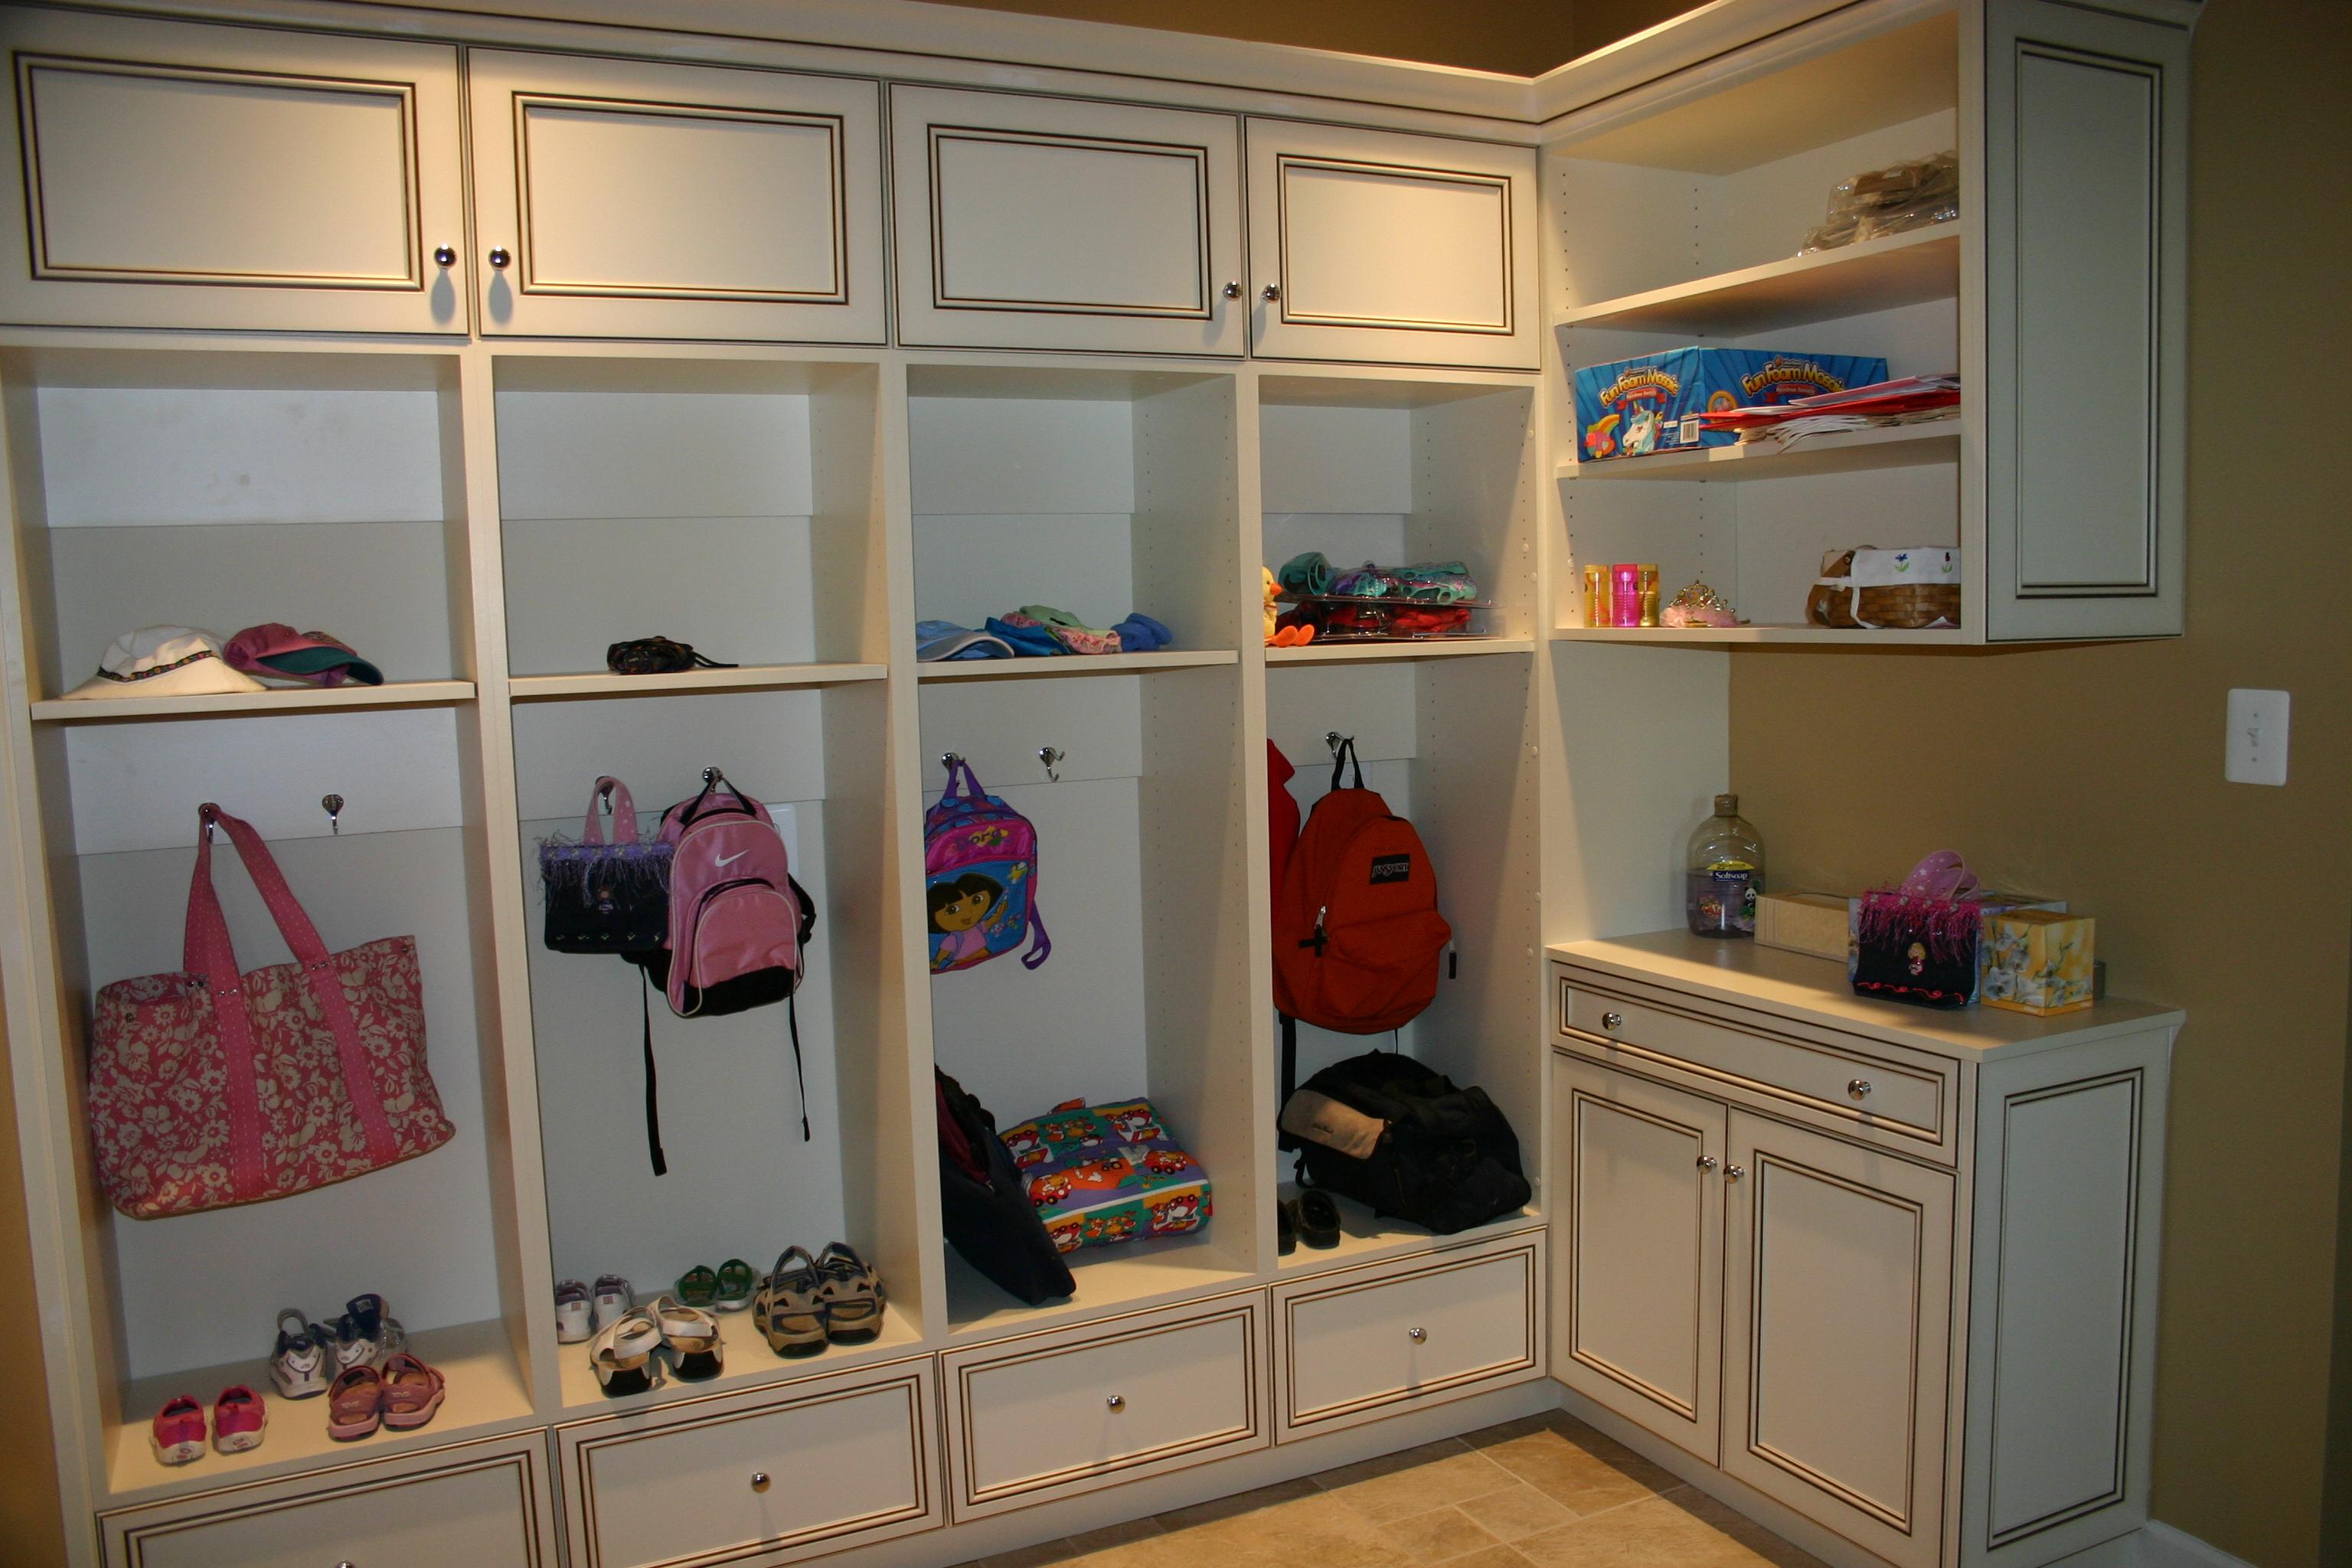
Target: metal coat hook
[
  {"x": 950, "y": 761},
  {"x": 1333, "y": 739},
  {"x": 1052, "y": 756},
  {"x": 332, "y": 805}
]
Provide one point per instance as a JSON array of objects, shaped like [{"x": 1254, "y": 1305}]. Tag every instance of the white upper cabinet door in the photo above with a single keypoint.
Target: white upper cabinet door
[
  {"x": 1837, "y": 1318},
  {"x": 182, "y": 175},
  {"x": 620, "y": 199},
  {"x": 1637, "y": 1291},
  {"x": 1054, "y": 222},
  {"x": 2086, "y": 200},
  {"x": 1368, "y": 244}
]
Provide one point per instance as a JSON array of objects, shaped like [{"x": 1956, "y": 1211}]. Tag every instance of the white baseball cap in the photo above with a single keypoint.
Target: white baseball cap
[{"x": 165, "y": 661}]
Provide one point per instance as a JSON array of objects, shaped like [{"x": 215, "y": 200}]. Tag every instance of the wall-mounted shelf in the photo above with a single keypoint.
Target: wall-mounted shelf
[
  {"x": 1386, "y": 652},
  {"x": 393, "y": 694},
  {"x": 751, "y": 677},
  {"x": 1075, "y": 664},
  {"x": 1853, "y": 281},
  {"x": 1891, "y": 447},
  {"x": 1703, "y": 637}
]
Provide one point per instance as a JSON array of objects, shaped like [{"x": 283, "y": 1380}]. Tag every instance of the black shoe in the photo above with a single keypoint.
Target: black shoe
[
  {"x": 1286, "y": 1227},
  {"x": 1318, "y": 1220}
]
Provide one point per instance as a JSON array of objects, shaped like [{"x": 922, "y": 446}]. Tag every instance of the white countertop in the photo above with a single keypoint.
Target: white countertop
[{"x": 1814, "y": 989}]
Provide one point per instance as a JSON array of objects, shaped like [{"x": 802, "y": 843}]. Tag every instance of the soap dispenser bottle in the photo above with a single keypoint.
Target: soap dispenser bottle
[{"x": 1723, "y": 873}]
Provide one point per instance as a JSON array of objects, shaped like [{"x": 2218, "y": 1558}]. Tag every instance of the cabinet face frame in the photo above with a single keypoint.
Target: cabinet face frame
[
  {"x": 1695, "y": 1423},
  {"x": 928, "y": 122},
  {"x": 1910, "y": 1535},
  {"x": 506, "y": 88},
  {"x": 1286, "y": 326},
  {"x": 126, "y": 1534},
  {"x": 416, "y": 82}
]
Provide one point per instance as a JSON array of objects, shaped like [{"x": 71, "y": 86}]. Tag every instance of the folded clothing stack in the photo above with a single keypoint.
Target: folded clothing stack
[
  {"x": 1438, "y": 581},
  {"x": 1425, "y": 599},
  {"x": 1037, "y": 631},
  {"x": 1106, "y": 1174}
]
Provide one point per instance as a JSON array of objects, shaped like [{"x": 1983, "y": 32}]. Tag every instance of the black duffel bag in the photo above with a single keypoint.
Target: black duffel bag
[{"x": 1399, "y": 1139}]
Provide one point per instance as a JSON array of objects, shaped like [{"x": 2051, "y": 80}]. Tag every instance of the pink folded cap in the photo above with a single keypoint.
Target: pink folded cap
[{"x": 312, "y": 658}]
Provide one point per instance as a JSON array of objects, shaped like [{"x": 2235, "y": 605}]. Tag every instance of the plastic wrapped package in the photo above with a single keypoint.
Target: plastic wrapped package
[{"x": 1895, "y": 200}]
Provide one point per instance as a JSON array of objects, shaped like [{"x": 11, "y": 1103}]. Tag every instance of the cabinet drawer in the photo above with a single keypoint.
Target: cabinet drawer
[
  {"x": 769, "y": 1477},
  {"x": 1360, "y": 1345},
  {"x": 1052, "y": 1415},
  {"x": 1030, "y": 222},
  {"x": 1906, "y": 1102},
  {"x": 182, "y": 175},
  {"x": 471, "y": 1505}
]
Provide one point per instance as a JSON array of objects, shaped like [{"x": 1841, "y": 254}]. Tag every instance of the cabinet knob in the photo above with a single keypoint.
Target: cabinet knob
[
  {"x": 1612, "y": 1022},
  {"x": 1706, "y": 1161},
  {"x": 1117, "y": 1402},
  {"x": 501, "y": 256},
  {"x": 758, "y": 1480},
  {"x": 1733, "y": 1172},
  {"x": 1272, "y": 290},
  {"x": 1233, "y": 290},
  {"x": 1418, "y": 1336},
  {"x": 1859, "y": 1088},
  {"x": 444, "y": 255}
]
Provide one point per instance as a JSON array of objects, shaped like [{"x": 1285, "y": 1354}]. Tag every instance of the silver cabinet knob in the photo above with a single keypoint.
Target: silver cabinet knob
[
  {"x": 1418, "y": 1336},
  {"x": 1233, "y": 290},
  {"x": 1117, "y": 1402},
  {"x": 1272, "y": 290},
  {"x": 1733, "y": 1172},
  {"x": 501, "y": 256},
  {"x": 444, "y": 255},
  {"x": 1706, "y": 1161},
  {"x": 758, "y": 1480},
  {"x": 1612, "y": 1022},
  {"x": 1859, "y": 1088}
]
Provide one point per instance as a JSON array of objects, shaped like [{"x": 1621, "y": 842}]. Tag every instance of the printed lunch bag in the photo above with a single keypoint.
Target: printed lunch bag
[{"x": 980, "y": 862}]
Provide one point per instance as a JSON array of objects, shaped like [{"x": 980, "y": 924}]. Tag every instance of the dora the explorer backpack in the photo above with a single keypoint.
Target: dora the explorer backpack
[
  {"x": 1357, "y": 935},
  {"x": 980, "y": 865},
  {"x": 738, "y": 923}
]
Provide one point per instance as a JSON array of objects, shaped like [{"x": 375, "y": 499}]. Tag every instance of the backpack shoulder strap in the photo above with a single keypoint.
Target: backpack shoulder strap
[{"x": 1341, "y": 757}]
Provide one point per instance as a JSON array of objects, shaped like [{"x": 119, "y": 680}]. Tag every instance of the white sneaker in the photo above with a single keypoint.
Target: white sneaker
[
  {"x": 298, "y": 1364},
  {"x": 574, "y": 1317},
  {"x": 614, "y": 1299}
]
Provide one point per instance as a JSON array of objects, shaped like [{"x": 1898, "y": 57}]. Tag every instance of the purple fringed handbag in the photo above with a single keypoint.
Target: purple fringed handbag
[
  {"x": 1918, "y": 943},
  {"x": 606, "y": 898}
]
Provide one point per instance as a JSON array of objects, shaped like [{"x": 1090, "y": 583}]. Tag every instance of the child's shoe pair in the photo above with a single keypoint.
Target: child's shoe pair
[
  {"x": 240, "y": 1418},
  {"x": 403, "y": 1394},
  {"x": 626, "y": 1351},
  {"x": 808, "y": 1302},
  {"x": 309, "y": 1356}
]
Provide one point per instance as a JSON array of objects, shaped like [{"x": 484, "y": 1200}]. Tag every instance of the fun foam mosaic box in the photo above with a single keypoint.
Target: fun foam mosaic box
[
  {"x": 1631, "y": 407},
  {"x": 1106, "y": 1174}
]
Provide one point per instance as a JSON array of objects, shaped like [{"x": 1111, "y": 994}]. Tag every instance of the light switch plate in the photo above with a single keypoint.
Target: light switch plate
[{"x": 2254, "y": 749}]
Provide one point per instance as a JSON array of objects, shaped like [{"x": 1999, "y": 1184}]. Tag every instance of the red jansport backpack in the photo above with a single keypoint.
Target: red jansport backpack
[
  {"x": 1356, "y": 929},
  {"x": 739, "y": 922}
]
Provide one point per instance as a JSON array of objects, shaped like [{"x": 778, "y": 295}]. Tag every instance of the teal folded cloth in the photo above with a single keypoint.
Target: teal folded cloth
[{"x": 1306, "y": 574}]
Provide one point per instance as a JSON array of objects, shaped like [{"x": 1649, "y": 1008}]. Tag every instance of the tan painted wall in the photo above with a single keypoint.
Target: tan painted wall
[{"x": 2096, "y": 773}]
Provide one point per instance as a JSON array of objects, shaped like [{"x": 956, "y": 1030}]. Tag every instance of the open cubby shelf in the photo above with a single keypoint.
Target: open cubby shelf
[
  {"x": 391, "y": 694},
  {"x": 1892, "y": 447},
  {"x": 1851, "y": 280}
]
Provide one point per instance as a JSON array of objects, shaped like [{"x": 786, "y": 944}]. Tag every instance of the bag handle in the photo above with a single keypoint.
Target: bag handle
[
  {"x": 1942, "y": 875},
  {"x": 1041, "y": 946},
  {"x": 209, "y": 954},
  {"x": 612, "y": 791},
  {"x": 1341, "y": 757},
  {"x": 961, "y": 771}
]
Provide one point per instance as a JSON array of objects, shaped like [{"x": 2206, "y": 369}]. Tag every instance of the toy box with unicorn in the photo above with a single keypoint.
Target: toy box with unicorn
[{"x": 1631, "y": 407}]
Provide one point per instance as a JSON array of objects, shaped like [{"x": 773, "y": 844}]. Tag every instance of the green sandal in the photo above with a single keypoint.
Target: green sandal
[
  {"x": 698, "y": 1286},
  {"x": 737, "y": 1281}
]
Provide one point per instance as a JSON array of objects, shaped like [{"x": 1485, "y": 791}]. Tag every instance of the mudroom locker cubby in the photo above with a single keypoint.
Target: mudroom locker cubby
[{"x": 491, "y": 345}]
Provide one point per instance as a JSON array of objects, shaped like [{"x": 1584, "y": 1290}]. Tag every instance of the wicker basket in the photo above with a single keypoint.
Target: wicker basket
[{"x": 1904, "y": 605}]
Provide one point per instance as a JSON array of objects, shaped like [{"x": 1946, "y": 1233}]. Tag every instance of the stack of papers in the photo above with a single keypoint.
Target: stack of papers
[{"x": 1911, "y": 400}]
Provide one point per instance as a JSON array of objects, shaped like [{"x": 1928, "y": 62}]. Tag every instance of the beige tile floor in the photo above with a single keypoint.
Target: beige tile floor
[{"x": 1546, "y": 1491}]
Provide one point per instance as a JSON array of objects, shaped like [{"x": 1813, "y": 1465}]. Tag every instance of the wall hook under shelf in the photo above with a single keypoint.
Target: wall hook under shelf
[
  {"x": 1053, "y": 757},
  {"x": 332, "y": 805}
]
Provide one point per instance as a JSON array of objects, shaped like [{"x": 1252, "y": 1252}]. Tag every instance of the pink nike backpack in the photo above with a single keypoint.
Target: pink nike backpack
[{"x": 738, "y": 923}]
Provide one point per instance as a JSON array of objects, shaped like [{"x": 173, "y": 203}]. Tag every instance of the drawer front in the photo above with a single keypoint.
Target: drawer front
[
  {"x": 770, "y": 1477},
  {"x": 473, "y": 1505},
  {"x": 182, "y": 175},
  {"x": 1362, "y": 1345},
  {"x": 1028, "y": 222},
  {"x": 627, "y": 199},
  {"x": 1055, "y": 1414},
  {"x": 1907, "y": 1103}
]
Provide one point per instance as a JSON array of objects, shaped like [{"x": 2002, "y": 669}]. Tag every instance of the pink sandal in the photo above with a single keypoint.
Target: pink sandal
[
  {"x": 411, "y": 1392},
  {"x": 355, "y": 1403}
]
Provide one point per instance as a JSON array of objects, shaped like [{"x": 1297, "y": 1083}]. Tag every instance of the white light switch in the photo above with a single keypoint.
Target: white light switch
[{"x": 2255, "y": 748}]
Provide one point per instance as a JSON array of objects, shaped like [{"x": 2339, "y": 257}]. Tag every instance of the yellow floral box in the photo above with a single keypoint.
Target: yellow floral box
[{"x": 2039, "y": 961}]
